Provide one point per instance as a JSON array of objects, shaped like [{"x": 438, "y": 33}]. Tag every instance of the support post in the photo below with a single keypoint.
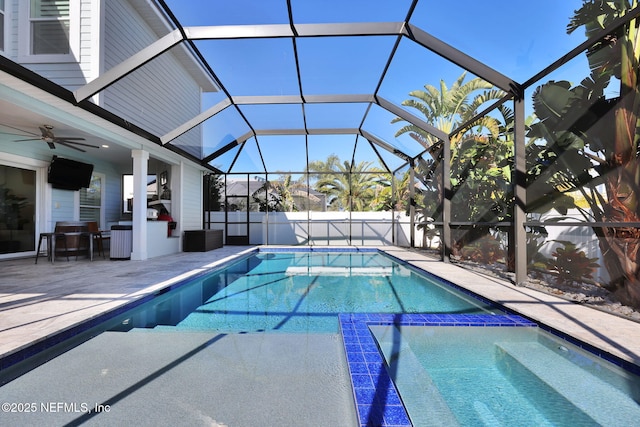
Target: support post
[
  {"x": 139, "y": 214},
  {"x": 412, "y": 205},
  {"x": 446, "y": 201},
  {"x": 519, "y": 251}
]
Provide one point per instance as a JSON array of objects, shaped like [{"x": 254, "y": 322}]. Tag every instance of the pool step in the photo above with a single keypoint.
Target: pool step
[
  {"x": 423, "y": 400},
  {"x": 602, "y": 402}
]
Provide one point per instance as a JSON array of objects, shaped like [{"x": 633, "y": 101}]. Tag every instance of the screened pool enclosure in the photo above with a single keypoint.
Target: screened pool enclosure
[{"x": 483, "y": 131}]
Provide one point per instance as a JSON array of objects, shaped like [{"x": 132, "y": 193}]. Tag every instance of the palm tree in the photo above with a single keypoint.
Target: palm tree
[
  {"x": 347, "y": 187},
  {"x": 446, "y": 108},
  {"x": 283, "y": 195},
  {"x": 591, "y": 142},
  {"x": 480, "y": 163},
  {"x": 391, "y": 194}
]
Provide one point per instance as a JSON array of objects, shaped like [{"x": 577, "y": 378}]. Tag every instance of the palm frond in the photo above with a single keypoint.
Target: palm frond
[{"x": 423, "y": 107}]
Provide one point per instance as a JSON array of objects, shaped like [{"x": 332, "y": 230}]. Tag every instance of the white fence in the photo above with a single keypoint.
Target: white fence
[
  {"x": 319, "y": 228},
  {"x": 367, "y": 229}
]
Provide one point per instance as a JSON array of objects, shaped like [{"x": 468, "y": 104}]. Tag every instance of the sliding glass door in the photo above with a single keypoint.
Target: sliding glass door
[{"x": 17, "y": 209}]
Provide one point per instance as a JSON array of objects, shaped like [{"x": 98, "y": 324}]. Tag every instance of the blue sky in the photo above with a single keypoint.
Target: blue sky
[{"x": 516, "y": 38}]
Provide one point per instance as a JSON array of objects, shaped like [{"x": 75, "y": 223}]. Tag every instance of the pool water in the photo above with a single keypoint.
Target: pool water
[
  {"x": 298, "y": 338},
  {"x": 301, "y": 292},
  {"x": 485, "y": 376}
]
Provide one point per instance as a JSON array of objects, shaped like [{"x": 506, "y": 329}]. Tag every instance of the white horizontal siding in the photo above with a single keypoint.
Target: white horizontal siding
[
  {"x": 70, "y": 74},
  {"x": 192, "y": 199},
  {"x": 11, "y": 19},
  {"x": 63, "y": 207},
  {"x": 88, "y": 33},
  {"x": 159, "y": 96}
]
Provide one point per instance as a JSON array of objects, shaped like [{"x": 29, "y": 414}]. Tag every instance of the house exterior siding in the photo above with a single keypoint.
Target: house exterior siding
[
  {"x": 158, "y": 97},
  {"x": 161, "y": 95},
  {"x": 70, "y": 72},
  {"x": 192, "y": 199}
]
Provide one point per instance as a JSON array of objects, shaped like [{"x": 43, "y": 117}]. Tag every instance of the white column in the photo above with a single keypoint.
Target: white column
[
  {"x": 177, "y": 180},
  {"x": 139, "y": 214}
]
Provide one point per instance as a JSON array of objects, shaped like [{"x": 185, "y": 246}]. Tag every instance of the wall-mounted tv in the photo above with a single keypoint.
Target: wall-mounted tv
[{"x": 67, "y": 174}]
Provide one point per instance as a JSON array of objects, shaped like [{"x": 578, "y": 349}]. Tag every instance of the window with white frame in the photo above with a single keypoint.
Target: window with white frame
[
  {"x": 49, "y": 22},
  {"x": 91, "y": 200},
  {"x": 1, "y": 25}
]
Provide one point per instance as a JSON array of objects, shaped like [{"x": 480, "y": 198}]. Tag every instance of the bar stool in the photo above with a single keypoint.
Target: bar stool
[{"x": 51, "y": 246}]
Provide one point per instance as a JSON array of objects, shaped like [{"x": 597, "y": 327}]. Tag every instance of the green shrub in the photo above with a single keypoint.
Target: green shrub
[
  {"x": 571, "y": 264},
  {"x": 486, "y": 250}
]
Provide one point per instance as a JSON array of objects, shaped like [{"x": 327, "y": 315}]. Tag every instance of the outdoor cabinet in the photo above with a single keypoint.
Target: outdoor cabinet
[
  {"x": 121, "y": 242},
  {"x": 202, "y": 240}
]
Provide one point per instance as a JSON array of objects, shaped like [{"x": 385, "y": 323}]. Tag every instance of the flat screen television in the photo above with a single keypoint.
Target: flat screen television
[{"x": 67, "y": 174}]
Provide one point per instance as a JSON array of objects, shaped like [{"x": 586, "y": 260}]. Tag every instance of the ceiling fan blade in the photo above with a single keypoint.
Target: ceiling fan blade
[
  {"x": 64, "y": 138},
  {"x": 13, "y": 134},
  {"x": 61, "y": 140},
  {"x": 30, "y": 139},
  {"x": 20, "y": 130},
  {"x": 51, "y": 145},
  {"x": 70, "y": 146}
]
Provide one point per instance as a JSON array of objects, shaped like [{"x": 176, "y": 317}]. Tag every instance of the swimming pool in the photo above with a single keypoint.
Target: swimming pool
[
  {"x": 301, "y": 292},
  {"x": 275, "y": 338}
]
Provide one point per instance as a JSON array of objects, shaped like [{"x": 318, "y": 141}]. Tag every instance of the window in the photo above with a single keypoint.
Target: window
[
  {"x": 1, "y": 25},
  {"x": 49, "y": 22},
  {"x": 91, "y": 200},
  {"x": 127, "y": 191}
]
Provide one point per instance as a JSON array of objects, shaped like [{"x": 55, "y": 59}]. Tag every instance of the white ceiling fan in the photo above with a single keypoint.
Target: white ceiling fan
[{"x": 48, "y": 136}]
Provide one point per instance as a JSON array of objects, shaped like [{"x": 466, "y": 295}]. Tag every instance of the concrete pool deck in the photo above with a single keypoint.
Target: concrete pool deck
[{"x": 39, "y": 300}]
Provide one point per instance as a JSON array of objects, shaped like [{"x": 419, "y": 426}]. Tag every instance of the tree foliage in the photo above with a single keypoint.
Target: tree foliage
[
  {"x": 586, "y": 141},
  {"x": 481, "y": 154},
  {"x": 348, "y": 187}
]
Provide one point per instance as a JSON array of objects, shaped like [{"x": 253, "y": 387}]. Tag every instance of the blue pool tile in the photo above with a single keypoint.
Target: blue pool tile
[
  {"x": 369, "y": 347},
  {"x": 385, "y": 389},
  {"x": 360, "y": 333},
  {"x": 390, "y": 396},
  {"x": 358, "y": 368},
  {"x": 371, "y": 357},
  {"x": 352, "y": 346},
  {"x": 365, "y": 395},
  {"x": 395, "y": 415},
  {"x": 351, "y": 339},
  {"x": 355, "y": 357},
  {"x": 388, "y": 318},
  {"x": 348, "y": 331},
  {"x": 361, "y": 381},
  {"x": 376, "y": 367},
  {"x": 370, "y": 416}
]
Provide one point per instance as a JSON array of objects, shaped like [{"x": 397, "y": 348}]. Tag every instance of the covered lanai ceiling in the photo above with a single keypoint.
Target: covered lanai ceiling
[{"x": 300, "y": 80}]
